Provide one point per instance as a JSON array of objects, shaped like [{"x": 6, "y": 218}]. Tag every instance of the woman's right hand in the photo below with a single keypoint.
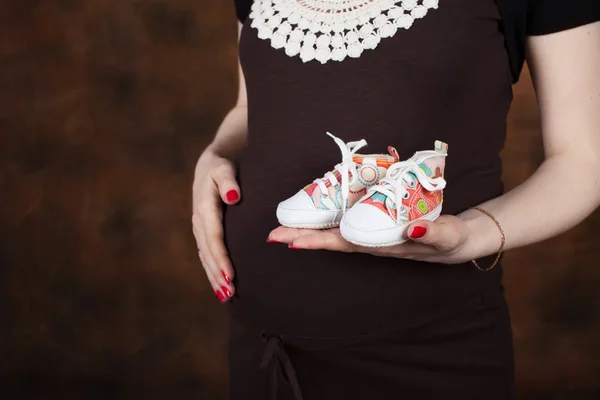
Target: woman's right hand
[{"x": 214, "y": 184}]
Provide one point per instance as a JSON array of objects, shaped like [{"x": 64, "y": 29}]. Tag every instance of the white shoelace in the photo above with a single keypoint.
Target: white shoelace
[
  {"x": 346, "y": 167},
  {"x": 392, "y": 185}
]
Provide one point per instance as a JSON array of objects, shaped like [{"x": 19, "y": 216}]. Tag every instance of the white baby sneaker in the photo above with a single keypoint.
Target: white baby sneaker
[
  {"x": 321, "y": 204},
  {"x": 412, "y": 190}
]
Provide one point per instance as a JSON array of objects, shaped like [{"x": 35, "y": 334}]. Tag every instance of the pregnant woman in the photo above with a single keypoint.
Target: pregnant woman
[{"x": 313, "y": 317}]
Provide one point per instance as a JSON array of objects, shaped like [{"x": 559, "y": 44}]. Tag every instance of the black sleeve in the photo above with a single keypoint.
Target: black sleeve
[
  {"x": 242, "y": 9},
  {"x": 550, "y": 16}
]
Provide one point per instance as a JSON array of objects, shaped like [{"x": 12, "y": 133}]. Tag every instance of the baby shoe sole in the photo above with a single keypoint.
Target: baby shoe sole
[
  {"x": 311, "y": 226},
  {"x": 432, "y": 216},
  {"x": 309, "y": 219}
]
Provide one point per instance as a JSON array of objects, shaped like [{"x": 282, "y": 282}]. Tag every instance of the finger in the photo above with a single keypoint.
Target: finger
[
  {"x": 212, "y": 226},
  {"x": 219, "y": 278},
  {"x": 324, "y": 240},
  {"x": 197, "y": 229},
  {"x": 224, "y": 177},
  {"x": 207, "y": 263},
  {"x": 222, "y": 292},
  {"x": 443, "y": 234},
  {"x": 213, "y": 283},
  {"x": 284, "y": 234},
  {"x": 221, "y": 267},
  {"x": 409, "y": 250}
]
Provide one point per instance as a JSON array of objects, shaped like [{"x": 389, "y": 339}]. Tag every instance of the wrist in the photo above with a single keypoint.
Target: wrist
[
  {"x": 484, "y": 237},
  {"x": 231, "y": 137},
  {"x": 208, "y": 160}
]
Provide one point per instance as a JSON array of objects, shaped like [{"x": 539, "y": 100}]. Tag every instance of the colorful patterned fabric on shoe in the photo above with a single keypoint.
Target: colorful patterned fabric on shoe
[{"x": 412, "y": 190}]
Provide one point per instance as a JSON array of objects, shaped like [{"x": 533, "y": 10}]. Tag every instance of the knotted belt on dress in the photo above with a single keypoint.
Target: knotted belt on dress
[{"x": 279, "y": 361}]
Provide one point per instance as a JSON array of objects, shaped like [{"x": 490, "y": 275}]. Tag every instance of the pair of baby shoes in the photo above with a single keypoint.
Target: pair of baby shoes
[{"x": 372, "y": 198}]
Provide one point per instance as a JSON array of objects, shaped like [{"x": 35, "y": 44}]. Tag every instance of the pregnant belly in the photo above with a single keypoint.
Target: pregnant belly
[{"x": 324, "y": 293}]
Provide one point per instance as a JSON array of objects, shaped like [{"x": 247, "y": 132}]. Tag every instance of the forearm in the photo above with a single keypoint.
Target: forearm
[
  {"x": 232, "y": 133},
  {"x": 565, "y": 189},
  {"x": 559, "y": 195}
]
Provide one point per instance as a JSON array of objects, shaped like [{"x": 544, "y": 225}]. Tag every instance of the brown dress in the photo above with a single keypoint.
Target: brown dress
[{"x": 332, "y": 325}]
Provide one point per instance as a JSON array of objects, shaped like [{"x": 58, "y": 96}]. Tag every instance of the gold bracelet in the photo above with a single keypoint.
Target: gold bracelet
[{"x": 503, "y": 240}]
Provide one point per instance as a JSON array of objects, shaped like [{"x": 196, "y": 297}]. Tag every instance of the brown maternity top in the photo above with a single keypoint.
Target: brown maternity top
[
  {"x": 331, "y": 325},
  {"x": 448, "y": 77}
]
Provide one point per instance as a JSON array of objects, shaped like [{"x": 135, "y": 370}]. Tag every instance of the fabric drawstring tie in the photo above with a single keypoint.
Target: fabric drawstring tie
[{"x": 279, "y": 361}]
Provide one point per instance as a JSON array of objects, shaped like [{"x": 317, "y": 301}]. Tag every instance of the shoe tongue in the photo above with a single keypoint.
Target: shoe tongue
[
  {"x": 422, "y": 157},
  {"x": 425, "y": 160},
  {"x": 394, "y": 153},
  {"x": 441, "y": 147}
]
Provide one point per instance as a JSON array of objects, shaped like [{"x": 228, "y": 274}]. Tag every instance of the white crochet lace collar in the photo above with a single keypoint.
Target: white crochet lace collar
[{"x": 331, "y": 30}]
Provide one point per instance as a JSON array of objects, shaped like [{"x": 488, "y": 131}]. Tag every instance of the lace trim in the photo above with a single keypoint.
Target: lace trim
[{"x": 331, "y": 30}]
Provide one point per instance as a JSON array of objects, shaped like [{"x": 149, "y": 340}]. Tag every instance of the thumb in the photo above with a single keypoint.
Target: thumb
[
  {"x": 443, "y": 234},
  {"x": 224, "y": 177}
]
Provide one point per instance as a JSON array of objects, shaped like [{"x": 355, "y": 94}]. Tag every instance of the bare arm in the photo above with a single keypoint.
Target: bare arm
[
  {"x": 215, "y": 184},
  {"x": 565, "y": 67},
  {"x": 231, "y": 135}
]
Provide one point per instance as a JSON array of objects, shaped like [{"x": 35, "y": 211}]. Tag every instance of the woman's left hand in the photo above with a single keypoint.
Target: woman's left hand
[{"x": 444, "y": 241}]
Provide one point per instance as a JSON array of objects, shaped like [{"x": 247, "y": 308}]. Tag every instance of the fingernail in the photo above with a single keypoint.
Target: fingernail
[
  {"x": 291, "y": 246},
  {"x": 232, "y": 195},
  {"x": 226, "y": 291},
  {"x": 220, "y": 296},
  {"x": 418, "y": 232},
  {"x": 269, "y": 240},
  {"x": 227, "y": 279}
]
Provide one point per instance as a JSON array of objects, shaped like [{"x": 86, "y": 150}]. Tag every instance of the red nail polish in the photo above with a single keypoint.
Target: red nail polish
[
  {"x": 226, "y": 291},
  {"x": 418, "y": 232},
  {"x": 220, "y": 296},
  {"x": 226, "y": 277},
  {"x": 271, "y": 240},
  {"x": 291, "y": 246},
  {"x": 232, "y": 195}
]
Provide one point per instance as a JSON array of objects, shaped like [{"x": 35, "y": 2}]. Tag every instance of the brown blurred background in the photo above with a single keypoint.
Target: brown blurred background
[{"x": 104, "y": 108}]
